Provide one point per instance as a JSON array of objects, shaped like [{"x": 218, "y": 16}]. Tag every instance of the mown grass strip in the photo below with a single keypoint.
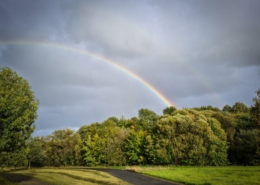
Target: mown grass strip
[
  {"x": 208, "y": 175},
  {"x": 57, "y": 179},
  {"x": 90, "y": 171},
  {"x": 72, "y": 176},
  {"x": 101, "y": 182}
]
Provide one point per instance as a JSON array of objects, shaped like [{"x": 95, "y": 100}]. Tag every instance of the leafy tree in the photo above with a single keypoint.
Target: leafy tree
[
  {"x": 133, "y": 147},
  {"x": 189, "y": 137},
  {"x": 209, "y": 107},
  {"x": 88, "y": 152},
  {"x": 114, "y": 148},
  {"x": 78, "y": 153},
  {"x": 4, "y": 159},
  {"x": 114, "y": 119},
  {"x": 18, "y": 108},
  {"x": 60, "y": 147},
  {"x": 240, "y": 107},
  {"x": 133, "y": 123},
  {"x": 149, "y": 150},
  {"x": 256, "y": 114},
  {"x": 244, "y": 121},
  {"x": 256, "y": 107},
  {"x": 227, "y": 108},
  {"x": 147, "y": 115},
  {"x": 246, "y": 145},
  {"x": 147, "y": 119},
  {"x": 18, "y": 158},
  {"x": 227, "y": 122},
  {"x": 34, "y": 152},
  {"x": 87, "y": 130},
  {"x": 169, "y": 110}
]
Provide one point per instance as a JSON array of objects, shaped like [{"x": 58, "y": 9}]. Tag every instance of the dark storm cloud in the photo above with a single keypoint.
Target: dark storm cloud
[
  {"x": 32, "y": 19},
  {"x": 216, "y": 31},
  {"x": 194, "y": 52},
  {"x": 111, "y": 25}
]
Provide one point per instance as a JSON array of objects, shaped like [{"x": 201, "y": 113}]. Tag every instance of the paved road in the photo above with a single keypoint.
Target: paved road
[
  {"x": 135, "y": 178},
  {"x": 127, "y": 176}
]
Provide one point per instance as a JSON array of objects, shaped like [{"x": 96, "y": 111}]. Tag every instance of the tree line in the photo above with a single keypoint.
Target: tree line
[{"x": 203, "y": 136}]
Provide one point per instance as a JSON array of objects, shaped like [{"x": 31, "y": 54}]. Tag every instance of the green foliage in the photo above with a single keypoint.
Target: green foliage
[
  {"x": 227, "y": 108},
  {"x": 199, "y": 136},
  {"x": 60, "y": 148},
  {"x": 256, "y": 116},
  {"x": 169, "y": 110},
  {"x": 133, "y": 147},
  {"x": 88, "y": 149},
  {"x": 18, "y": 108},
  {"x": 147, "y": 120},
  {"x": 34, "y": 152},
  {"x": 209, "y": 107},
  {"x": 246, "y": 145},
  {"x": 188, "y": 137},
  {"x": 4, "y": 159},
  {"x": 114, "y": 148},
  {"x": 240, "y": 107},
  {"x": 228, "y": 123},
  {"x": 18, "y": 158}
]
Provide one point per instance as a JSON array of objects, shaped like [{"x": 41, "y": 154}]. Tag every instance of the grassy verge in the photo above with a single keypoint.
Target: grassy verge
[
  {"x": 5, "y": 182},
  {"x": 68, "y": 176},
  {"x": 237, "y": 175}
]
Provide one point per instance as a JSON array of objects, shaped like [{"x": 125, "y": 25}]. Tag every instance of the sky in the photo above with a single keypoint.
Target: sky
[{"x": 88, "y": 60}]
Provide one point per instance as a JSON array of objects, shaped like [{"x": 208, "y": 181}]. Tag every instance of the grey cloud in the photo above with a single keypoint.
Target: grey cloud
[
  {"x": 194, "y": 53},
  {"x": 27, "y": 20},
  {"x": 118, "y": 35}
]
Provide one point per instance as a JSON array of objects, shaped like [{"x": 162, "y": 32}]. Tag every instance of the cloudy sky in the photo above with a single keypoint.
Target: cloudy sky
[{"x": 195, "y": 53}]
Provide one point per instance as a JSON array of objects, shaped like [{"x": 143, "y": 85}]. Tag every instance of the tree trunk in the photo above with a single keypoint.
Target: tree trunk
[{"x": 29, "y": 164}]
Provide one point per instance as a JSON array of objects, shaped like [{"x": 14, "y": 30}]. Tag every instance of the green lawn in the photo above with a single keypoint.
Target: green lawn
[
  {"x": 5, "y": 182},
  {"x": 231, "y": 175},
  {"x": 68, "y": 176}
]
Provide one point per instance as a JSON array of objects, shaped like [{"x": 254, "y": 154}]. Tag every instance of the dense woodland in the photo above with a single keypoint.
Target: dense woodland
[{"x": 203, "y": 136}]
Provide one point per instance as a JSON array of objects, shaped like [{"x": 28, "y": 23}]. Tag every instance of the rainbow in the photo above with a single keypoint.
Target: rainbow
[{"x": 76, "y": 49}]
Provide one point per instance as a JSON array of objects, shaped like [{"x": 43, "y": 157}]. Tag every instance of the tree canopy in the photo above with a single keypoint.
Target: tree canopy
[
  {"x": 18, "y": 110},
  {"x": 191, "y": 136}
]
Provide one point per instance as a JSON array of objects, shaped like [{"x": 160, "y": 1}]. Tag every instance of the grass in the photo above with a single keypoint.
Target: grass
[
  {"x": 235, "y": 175},
  {"x": 5, "y": 182},
  {"x": 68, "y": 176}
]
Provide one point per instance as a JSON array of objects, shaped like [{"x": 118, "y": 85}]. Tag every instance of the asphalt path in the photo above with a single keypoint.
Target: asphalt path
[
  {"x": 127, "y": 176},
  {"x": 135, "y": 178}
]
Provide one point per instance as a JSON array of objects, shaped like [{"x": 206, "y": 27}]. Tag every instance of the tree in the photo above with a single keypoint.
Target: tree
[
  {"x": 88, "y": 152},
  {"x": 169, "y": 110},
  {"x": 189, "y": 137},
  {"x": 114, "y": 148},
  {"x": 61, "y": 148},
  {"x": 133, "y": 147},
  {"x": 245, "y": 142},
  {"x": 227, "y": 108},
  {"x": 147, "y": 115},
  {"x": 4, "y": 159},
  {"x": 18, "y": 110},
  {"x": 256, "y": 113},
  {"x": 34, "y": 152},
  {"x": 147, "y": 119},
  {"x": 18, "y": 158},
  {"x": 256, "y": 108},
  {"x": 240, "y": 107}
]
